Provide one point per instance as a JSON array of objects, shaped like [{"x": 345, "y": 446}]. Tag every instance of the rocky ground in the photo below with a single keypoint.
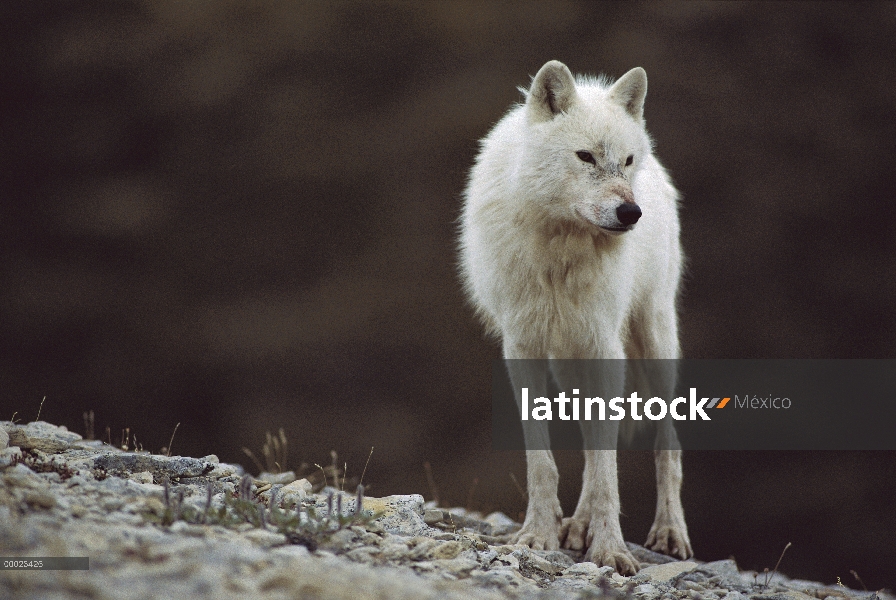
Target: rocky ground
[{"x": 156, "y": 527}]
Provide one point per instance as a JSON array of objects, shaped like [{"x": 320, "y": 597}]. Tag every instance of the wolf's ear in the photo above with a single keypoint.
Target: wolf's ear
[
  {"x": 553, "y": 91},
  {"x": 629, "y": 92}
]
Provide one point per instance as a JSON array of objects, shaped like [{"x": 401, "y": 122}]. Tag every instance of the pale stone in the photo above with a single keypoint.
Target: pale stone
[
  {"x": 281, "y": 478},
  {"x": 141, "y": 477},
  {"x": 665, "y": 572},
  {"x": 645, "y": 589},
  {"x": 501, "y": 523},
  {"x": 40, "y": 435},
  {"x": 431, "y": 516},
  {"x": 446, "y": 550},
  {"x": 10, "y": 455},
  {"x": 587, "y": 569},
  {"x": 294, "y": 492},
  {"x": 264, "y": 538}
]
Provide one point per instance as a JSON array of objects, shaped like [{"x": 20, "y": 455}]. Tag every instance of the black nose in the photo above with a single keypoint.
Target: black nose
[{"x": 628, "y": 214}]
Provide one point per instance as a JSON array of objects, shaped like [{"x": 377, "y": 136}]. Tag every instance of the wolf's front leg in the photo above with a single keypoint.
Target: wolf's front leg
[
  {"x": 669, "y": 533},
  {"x": 541, "y": 528},
  {"x": 595, "y": 523},
  {"x": 655, "y": 338}
]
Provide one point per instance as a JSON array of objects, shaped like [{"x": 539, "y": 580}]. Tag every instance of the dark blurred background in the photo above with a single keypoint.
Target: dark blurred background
[{"x": 240, "y": 216}]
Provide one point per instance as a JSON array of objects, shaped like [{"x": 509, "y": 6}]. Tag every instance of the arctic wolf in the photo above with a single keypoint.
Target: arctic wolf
[{"x": 570, "y": 249}]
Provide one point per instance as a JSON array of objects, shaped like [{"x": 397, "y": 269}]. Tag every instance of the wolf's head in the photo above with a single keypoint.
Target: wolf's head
[{"x": 586, "y": 143}]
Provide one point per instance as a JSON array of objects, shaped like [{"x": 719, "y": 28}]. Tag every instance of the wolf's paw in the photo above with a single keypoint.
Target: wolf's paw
[
  {"x": 574, "y": 533},
  {"x": 622, "y": 561},
  {"x": 538, "y": 537},
  {"x": 541, "y": 529},
  {"x": 671, "y": 540},
  {"x": 604, "y": 548}
]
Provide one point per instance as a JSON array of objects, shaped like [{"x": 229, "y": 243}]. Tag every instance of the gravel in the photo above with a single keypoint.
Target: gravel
[{"x": 64, "y": 496}]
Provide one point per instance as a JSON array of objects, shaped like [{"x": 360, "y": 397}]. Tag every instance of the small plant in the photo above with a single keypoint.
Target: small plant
[
  {"x": 39, "y": 408},
  {"x": 166, "y": 450},
  {"x": 780, "y": 558},
  {"x": 38, "y": 465},
  {"x": 88, "y": 425},
  {"x": 434, "y": 491},
  {"x": 306, "y": 526},
  {"x": 859, "y": 579},
  {"x": 129, "y": 440},
  {"x": 275, "y": 451}
]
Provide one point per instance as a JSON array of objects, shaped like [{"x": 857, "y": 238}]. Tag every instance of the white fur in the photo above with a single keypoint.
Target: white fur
[{"x": 550, "y": 281}]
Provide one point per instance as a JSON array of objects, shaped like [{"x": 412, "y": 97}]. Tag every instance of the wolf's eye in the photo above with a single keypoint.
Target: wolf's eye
[
  {"x": 629, "y": 160},
  {"x": 586, "y": 156}
]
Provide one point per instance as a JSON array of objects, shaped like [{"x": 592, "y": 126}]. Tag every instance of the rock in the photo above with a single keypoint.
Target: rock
[
  {"x": 723, "y": 568},
  {"x": 224, "y": 470},
  {"x": 532, "y": 560},
  {"x": 20, "y": 476},
  {"x": 794, "y": 595},
  {"x": 275, "y": 478},
  {"x": 40, "y": 435},
  {"x": 174, "y": 467},
  {"x": 501, "y": 524},
  {"x": 431, "y": 516},
  {"x": 291, "y": 494},
  {"x": 394, "y": 550},
  {"x": 686, "y": 584},
  {"x": 509, "y": 560},
  {"x": 264, "y": 538},
  {"x": 339, "y": 541},
  {"x": 40, "y": 498},
  {"x": 364, "y": 554},
  {"x": 112, "y": 503},
  {"x": 4, "y": 438},
  {"x": 460, "y": 566},
  {"x": 643, "y": 555},
  {"x": 486, "y": 557},
  {"x": 574, "y": 585},
  {"x": 420, "y": 547},
  {"x": 618, "y": 579},
  {"x": 10, "y": 455},
  {"x": 587, "y": 569},
  {"x": 645, "y": 589},
  {"x": 446, "y": 550},
  {"x": 367, "y": 538},
  {"x": 556, "y": 557},
  {"x": 501, "y": 577},
  {"x": 399, "y": 514},
  {"x": 91, "y": 499},
  {"x": 187, "y": 529},
  {"x": 141, "y": 477},
  {"x": 665, "y": 572},
  {"x": 458, "y": 518}
]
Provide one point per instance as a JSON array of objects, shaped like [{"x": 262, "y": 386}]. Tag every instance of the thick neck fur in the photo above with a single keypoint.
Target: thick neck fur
[{"x": 563, "y": 252}]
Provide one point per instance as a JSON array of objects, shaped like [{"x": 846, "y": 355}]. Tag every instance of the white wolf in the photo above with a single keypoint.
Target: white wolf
[{"x": 570, "y": 249}]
